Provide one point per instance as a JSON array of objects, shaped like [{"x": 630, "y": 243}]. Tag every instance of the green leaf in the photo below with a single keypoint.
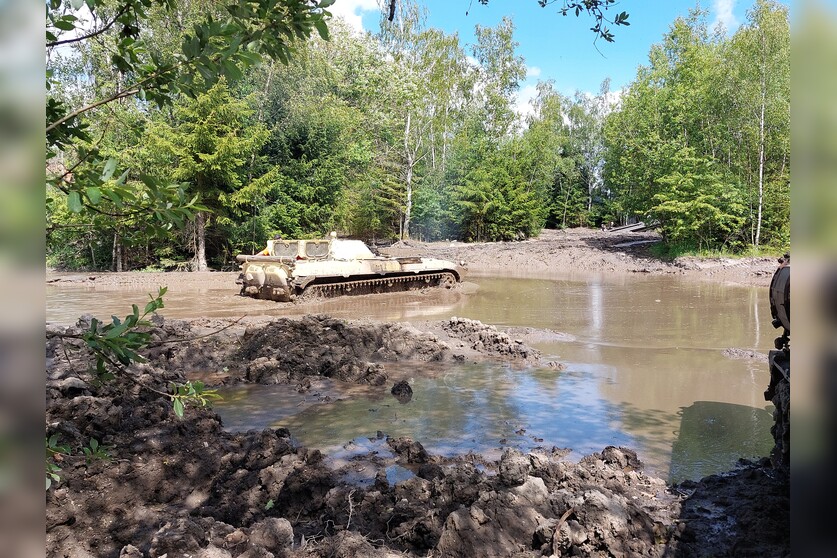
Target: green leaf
[
  {"x": 116, "y": 331},
  {"x": 74, "y": 202},
  {"x": 114, "y": 197},
  {"x": 178, "y": 408},
  {"x": 322, "y": 28},
  {"x": 110, "y": 168},
  {"x": 94, "y": 195},
  {"x": 64, "y": 25},
  {"x": 76, "y": 4},
  {"x": 231, "y": 71}
]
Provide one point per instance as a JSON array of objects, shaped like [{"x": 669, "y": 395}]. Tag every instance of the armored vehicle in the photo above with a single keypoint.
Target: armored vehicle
[
  {"x": 288, "y": 269},
  {"x": 778, "y": 392}
]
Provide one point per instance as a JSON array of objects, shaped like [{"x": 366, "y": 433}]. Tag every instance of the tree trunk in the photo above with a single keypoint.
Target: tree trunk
[
  {"x": 432, "y": 147},
  {"x": 566, "y": 203},
  {"x": 405, "y": 231},
  {"x": 259, "y": 117},
  {"x": 409, "y": 206},
  {"x": 590, "y": 188},
  {"x": 445, "y": 140},
  {"x": 200, "y": 242},
  {"x": 761, "y": 162},
  {"x": 116, "y": 255}
]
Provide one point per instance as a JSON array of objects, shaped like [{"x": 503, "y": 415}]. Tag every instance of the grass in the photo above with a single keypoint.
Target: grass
[{"x": 670, "y": 251}]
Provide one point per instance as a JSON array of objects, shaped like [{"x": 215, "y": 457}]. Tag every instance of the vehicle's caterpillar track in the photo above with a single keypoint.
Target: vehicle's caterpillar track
[{"x": 382, "y": 285}]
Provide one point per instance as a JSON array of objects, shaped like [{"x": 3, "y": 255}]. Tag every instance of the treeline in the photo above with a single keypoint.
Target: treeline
[
  {"x": 409, "y": 133},
  {"x": 701, "y": 142}
]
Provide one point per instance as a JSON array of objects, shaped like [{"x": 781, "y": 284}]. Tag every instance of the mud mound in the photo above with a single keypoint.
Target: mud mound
[
  {"x": 288, "y": 350},
  {"x": 745, "y": 512},
  {"x": 325, "y": 346},
  {"x": 537, "y": 504},
  {"x": 587, "y": 250},
  {"x": 487, "y": 339},
  {"x": 744, "y": 354}
]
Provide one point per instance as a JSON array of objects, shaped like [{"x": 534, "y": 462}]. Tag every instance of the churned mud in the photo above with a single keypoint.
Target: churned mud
[
  {"x": 588, "y": 250},
  {"x": 165, "y": 486}
]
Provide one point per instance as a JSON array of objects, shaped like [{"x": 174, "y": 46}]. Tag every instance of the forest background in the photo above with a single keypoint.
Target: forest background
[{"x": 195, "y": 136}]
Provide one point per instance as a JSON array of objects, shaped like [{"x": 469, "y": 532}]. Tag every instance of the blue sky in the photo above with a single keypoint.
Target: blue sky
[{"x": 561, "y": 48}]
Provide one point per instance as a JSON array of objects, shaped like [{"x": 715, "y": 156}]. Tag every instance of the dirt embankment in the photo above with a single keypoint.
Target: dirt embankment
[
  {"x": 184, "y": 487},
  {"x": 588, "y": 250}
]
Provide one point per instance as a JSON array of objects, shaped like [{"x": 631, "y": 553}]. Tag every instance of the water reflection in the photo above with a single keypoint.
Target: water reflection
[
  {"x": 712, "y": 436},
  {"x": 463, "y": 408}
]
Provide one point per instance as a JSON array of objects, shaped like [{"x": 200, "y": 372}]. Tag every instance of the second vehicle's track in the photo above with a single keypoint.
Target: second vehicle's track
[{"x": 445, "y": 279}]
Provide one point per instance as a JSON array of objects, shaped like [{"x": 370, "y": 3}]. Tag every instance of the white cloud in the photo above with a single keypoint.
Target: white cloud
[
  {"x": 532, "y": 72},
  {"x": 724, "y": 16},
  {"x": 523, "y": 101},
  {"x": 348, "y": 10}
]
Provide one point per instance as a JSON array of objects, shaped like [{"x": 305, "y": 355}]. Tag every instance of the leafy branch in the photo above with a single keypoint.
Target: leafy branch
[
  {"x": 54, "y": 454},
  {"x": 594, "y": 8},
  {"x": 191, "y": 392},
  {"x": 211, "y": 49},
  {"x": 116, "y": 344}
]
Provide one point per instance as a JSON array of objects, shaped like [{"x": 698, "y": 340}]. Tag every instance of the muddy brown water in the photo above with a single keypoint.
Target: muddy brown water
[{"x": 644, "y": 360}]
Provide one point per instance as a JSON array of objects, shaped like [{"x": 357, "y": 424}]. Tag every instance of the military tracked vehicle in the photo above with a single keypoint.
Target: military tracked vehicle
[
  {"x": 288, "y": 269},
  {"x": 778, "y": 391}
]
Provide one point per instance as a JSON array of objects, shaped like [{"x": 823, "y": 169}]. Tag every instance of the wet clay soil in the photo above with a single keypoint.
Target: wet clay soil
[{"x": 185, "y": 487}]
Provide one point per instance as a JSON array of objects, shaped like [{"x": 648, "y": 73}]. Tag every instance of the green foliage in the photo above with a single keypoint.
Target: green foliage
[
  {"x": 227, "y": 147},
  {"x": 208, "y": 144},
  {"x": 133, "y": 67},
  {"x": 95, "y": 451},
  {"x": 696, "y": 206},
  {"x": 702, "y": 139},
  {"x": 434, "y": 215},
  {"x": 116, "y": 344},
  {"x": 495, "y": 201},
  {"x": 192, "y": 392},
  {"x": 54, "y": 453}
]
